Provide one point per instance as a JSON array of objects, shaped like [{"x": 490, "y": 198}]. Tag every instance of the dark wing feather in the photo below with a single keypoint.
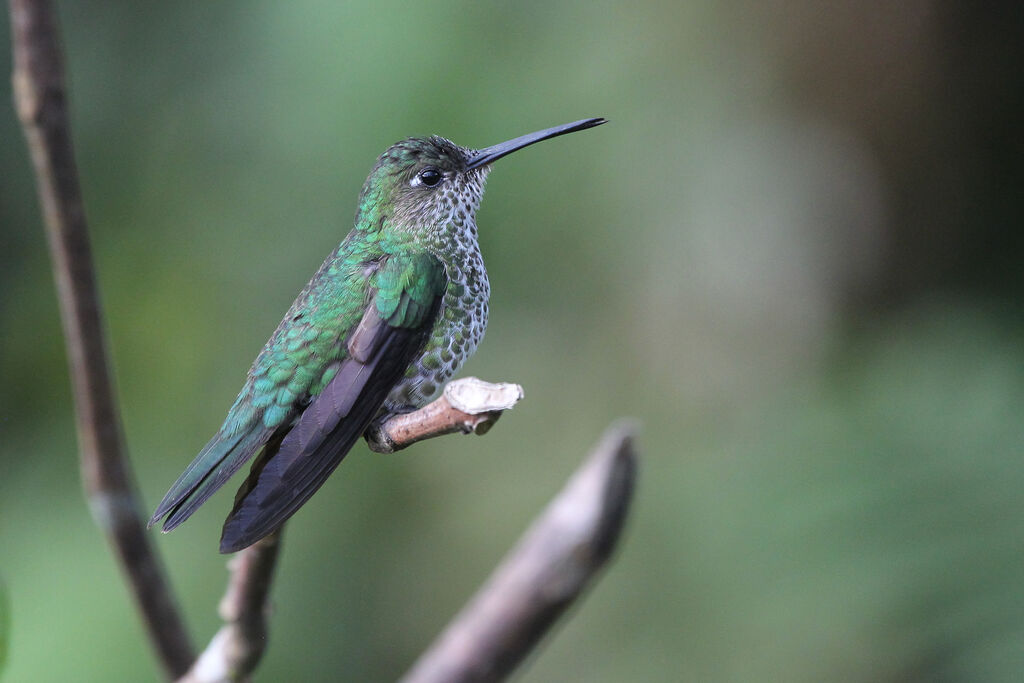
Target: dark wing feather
[{"x": 284, "y": 478}]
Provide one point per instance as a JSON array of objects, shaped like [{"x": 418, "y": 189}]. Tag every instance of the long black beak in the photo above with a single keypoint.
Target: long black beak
[{"x": 491, "y": 154}]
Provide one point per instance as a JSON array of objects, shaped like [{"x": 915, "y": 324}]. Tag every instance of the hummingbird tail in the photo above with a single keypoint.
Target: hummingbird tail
[{"x": 219, "y": 459}]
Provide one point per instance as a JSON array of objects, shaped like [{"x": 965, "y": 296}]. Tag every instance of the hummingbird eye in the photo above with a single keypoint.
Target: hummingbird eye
[{"x": 430, "y": 177}]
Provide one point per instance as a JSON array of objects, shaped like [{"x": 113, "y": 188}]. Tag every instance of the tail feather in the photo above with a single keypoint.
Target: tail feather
[{"x": 219, "y": 459}]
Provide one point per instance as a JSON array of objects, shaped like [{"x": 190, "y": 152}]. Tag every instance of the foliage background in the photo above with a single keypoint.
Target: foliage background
[{"x": 794, "y": 254}]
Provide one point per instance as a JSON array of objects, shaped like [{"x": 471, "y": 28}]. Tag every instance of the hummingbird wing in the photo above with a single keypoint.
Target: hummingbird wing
[
  {"x": 297, "y": 361},
  {"x": 402, "y": 307},
  {"x": 276, "y": 389}
]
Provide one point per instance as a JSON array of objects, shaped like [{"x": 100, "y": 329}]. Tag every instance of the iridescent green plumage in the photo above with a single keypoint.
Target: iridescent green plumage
[{"x": 389, "y": 317}]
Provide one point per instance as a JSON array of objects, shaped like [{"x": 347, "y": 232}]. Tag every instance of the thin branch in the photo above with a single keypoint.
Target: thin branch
[
  {"x": 468, "y": 405},
  {"x": 236, "y": 649},
  {"x": 40, "y": 99},
  {"x": 547, "y": 570}
]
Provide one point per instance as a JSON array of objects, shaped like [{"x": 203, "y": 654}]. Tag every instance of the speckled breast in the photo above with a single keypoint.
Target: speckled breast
[{"x": 459, "y": 328}]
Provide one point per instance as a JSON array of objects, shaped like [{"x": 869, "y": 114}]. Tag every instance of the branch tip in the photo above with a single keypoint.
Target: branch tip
[
  {"x": 468, "y": 406},
  {"x": 554, "y": 561}
]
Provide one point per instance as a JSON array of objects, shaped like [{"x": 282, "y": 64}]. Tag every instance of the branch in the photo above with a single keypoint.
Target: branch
[
  {"x": 468, "y": 405},
  {"x": 41, "y": 103},
  {"x": 236, "y": 649},
  {"x": 547, "y": 570}
]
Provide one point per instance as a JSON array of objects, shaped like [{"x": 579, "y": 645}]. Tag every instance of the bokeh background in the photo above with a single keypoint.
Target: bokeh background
[{"x": 795, "y": 255}]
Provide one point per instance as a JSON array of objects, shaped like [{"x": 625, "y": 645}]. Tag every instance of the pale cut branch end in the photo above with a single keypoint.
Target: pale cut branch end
[{"x": 468, "y": 405}]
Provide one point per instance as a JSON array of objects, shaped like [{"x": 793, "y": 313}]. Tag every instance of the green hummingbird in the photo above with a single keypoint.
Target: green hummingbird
[{"x": 388, "y": 318}]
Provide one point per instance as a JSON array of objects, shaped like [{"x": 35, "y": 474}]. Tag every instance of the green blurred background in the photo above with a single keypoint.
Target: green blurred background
[{"x": 794, "y": 254}]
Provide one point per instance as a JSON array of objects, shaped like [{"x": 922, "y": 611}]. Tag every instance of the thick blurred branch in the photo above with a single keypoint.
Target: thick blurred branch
[
  {"x": 40, "y": 99},
  {"x": 547, "y": 570}
]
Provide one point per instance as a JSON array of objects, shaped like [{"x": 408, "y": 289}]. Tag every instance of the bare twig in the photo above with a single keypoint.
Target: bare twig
[
  {"x": 468, "y": 405},
  {"x": 546, "y": 571},
  {"x": 41, "y": 102},
  {"x": 236, "y": 649}
]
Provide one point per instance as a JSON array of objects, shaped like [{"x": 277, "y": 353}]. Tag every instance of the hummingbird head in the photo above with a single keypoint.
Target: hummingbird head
[
  {"x": 424, "y": 184},
  {"x": 419, "y": 183}
]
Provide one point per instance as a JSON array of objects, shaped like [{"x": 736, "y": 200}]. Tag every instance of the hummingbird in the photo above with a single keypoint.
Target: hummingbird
[{"x": 389, "y": 317}]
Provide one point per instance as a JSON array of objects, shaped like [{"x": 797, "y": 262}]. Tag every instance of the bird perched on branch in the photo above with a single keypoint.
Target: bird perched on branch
[{"x": 390, "y": 316}]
